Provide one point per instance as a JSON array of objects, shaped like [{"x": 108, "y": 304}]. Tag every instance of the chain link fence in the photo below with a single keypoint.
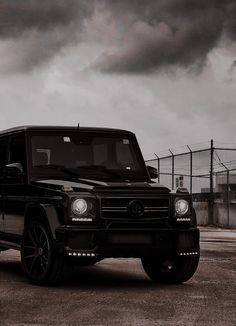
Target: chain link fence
[{"x": 209, "y": 173}]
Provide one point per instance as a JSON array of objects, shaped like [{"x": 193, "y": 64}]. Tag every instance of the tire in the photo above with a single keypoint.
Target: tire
[
  {"x": 178, "y": 270},
  {"x": 41, "y": 263}
]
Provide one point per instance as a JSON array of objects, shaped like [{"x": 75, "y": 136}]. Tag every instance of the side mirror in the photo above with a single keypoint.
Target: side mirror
[
  {"x": 14, "y": 170},
  {"x": 152, "y": 172}
]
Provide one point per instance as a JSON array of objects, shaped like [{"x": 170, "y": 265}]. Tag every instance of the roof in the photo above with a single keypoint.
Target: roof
[{"x": 65, "y": 128}]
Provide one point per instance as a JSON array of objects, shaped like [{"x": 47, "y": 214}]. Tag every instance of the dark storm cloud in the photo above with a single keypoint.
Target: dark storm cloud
[
  {"x": 17, "y": 17},
  {"x": 151, "y": 47},
  {"x": 169, "y": 32},
  {"x": 36, "y": 30},
  {"x": 153, "y": 33}
]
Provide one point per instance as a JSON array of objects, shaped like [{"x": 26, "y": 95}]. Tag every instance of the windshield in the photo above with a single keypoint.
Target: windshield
[{"x": 86, "y": 155}]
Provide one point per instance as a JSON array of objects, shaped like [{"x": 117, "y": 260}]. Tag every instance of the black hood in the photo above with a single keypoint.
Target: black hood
[{"x": 100, "y": 186}]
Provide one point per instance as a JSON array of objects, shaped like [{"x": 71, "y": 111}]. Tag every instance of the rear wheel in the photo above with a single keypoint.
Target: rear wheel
[
  {"x": 41, "y": 263},
  {"x": 177, "y": 270}
]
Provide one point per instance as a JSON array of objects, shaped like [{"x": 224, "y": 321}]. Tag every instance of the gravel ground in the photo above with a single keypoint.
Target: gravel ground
[{"x": 117, "y": 292}]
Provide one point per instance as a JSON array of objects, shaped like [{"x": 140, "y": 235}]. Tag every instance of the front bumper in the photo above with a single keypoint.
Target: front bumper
[{"x": 104, "y": 243}]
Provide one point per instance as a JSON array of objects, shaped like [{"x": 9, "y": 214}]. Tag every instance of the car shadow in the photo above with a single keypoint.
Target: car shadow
[
  {"x": 100, "y": 276},
  {"x": 11, "y": 269}
]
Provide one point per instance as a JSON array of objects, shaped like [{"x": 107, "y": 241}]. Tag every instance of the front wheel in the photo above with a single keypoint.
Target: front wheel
[
  {"x": 177, "y": 270},
  {"x": 41, "y": 263}
]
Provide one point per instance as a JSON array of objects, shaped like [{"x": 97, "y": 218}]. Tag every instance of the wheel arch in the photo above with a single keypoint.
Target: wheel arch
[
  {"x": 46, "y": 212},
  {"x": 194, "y": 217}
]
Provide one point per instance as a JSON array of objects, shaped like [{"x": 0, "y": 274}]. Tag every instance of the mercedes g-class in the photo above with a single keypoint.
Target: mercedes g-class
[{"x": 76, "y": 195}]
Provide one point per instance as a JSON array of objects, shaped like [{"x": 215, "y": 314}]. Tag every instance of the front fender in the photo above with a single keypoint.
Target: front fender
[{"x": 47, "y": 212}]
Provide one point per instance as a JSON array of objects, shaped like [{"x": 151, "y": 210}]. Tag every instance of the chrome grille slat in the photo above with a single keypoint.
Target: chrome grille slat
[
  {"x": 146, "y": 209},
  {"x": 116, "y": 207},
  {"x": 157, "y": 208},
  {"x": 114, "y": 210},
  {"x": 119, "y": 207}
]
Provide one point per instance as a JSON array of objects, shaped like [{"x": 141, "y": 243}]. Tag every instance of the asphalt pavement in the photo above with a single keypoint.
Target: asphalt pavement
[{"x": 117, "y": 292}]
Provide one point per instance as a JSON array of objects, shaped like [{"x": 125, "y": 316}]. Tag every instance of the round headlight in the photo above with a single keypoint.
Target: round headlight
[
  {"x": 79, "y": 206},
  {"x": 181, "y": 207}
]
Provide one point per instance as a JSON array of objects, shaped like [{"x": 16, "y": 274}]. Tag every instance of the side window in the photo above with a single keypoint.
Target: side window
[
  {"x": 17, "y": 149},
  {"x": 3, "y": 154}
]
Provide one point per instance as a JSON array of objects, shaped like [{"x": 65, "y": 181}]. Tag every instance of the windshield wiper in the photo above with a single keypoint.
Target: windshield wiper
[
  {"x": 100, "y": 168},
  {"x": 57, "y": 167},
  {"x": 89, "y": 168}
]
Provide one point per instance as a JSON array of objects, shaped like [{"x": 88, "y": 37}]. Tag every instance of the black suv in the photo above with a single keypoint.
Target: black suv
[{"x": 72, "y": 195}]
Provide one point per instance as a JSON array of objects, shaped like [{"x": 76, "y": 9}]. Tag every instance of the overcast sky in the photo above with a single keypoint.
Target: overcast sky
[{"x": 165, "y": 69}]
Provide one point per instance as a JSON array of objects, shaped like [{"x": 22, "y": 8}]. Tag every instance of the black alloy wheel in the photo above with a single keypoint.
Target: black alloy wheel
[{"x": 40, "y": 262}]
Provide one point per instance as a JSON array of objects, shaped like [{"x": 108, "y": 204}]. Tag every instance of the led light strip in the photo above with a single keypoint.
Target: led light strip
[
  {"x": 82, "y": 219},
  {"x": 194, "y": 253},
  {"x": 183, "y": 219},
  {"x": 80, "y": 254}
]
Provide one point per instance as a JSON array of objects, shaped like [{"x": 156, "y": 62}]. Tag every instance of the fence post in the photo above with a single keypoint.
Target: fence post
[
  {"x": 211, "y": 202},
  {"x": 173, "y": 170},
  {"x": 228, "y": 197},
  {"x": 158, "y": 167},
  {"x": 191, "y": 170}
]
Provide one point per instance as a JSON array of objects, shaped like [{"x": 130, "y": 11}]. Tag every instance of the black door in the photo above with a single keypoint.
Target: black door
[
  {"x": 14, "y": 188},
  {"x": 3, "y": 160}
]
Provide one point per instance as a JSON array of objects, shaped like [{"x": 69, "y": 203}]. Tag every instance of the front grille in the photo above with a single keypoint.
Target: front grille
[{"x": 117, "y": 207}]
